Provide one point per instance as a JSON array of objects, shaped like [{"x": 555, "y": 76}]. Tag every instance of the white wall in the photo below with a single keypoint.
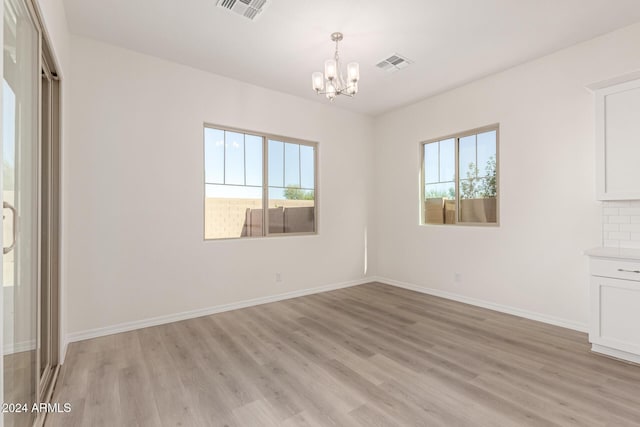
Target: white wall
[
  {"x": 134, "y": 212},
  {"x": 534, "y": 261},
  {"x": 56, "y": 30}
]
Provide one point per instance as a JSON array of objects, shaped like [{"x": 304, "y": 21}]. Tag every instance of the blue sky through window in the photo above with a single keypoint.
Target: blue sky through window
[
  {"x": 486, "y": 150},
  {"x": 253, "y": 153},
  {"x": 233, "y": 165},
  {"x": 292, "y": 165},
  {"x": 214, "y": 155},
  {"x": 440, "y": 168},
  {"x": 467, "y": 154},
  {"x": 234, "y": 158}
]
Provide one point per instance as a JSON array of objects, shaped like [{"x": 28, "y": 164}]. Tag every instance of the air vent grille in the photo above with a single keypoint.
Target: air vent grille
[
  {"x": 394, "y": 63},
  {"x": 250, "y": 9}
]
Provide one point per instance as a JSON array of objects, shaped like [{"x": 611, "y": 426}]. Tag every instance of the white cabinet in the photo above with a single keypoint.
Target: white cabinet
[
  {"x": 615, "y": 307},
  {"x": 618, "y": 139}
]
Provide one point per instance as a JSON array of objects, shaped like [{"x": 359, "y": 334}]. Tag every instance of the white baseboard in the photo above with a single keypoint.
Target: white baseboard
[
  {"x": 63, "y": 349},
  {"x": 160, "y": 320},
  {"x": 618, "y": 354},
  {"x": 577, "y": 326}
]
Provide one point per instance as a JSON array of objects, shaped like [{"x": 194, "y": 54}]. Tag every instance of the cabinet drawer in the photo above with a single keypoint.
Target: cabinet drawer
[{"x": 627, "y": 270}]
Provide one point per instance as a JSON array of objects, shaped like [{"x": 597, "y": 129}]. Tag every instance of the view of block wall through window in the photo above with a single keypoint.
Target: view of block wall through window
[
  {"x": 252, "y": 180},
  {"x": 460, "y": 178},
  {"x": 621, "y": 224}
]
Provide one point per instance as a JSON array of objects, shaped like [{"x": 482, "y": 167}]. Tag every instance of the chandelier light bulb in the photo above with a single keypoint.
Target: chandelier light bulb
[
  {"x": 318, "y": 81},
  {"x": 353, "y": 72},
  {"x": 330, "y": 69}
]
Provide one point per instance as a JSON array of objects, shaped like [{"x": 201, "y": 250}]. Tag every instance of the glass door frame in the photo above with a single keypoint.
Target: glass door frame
[
  {"x": 21, "y": 71},
  {"x": 49, "y": 197},
  {"x": 47, "y": 176}
]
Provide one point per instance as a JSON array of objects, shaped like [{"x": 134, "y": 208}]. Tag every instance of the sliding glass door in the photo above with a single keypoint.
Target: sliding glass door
[
  {"x": 30, "y": 148},
  {"x": 20, "y": 146}
]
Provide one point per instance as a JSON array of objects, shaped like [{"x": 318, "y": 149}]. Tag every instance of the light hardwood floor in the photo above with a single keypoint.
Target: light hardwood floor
[
  {"x": 19, "y": 386},
  {"x": 371, "y": 355}
]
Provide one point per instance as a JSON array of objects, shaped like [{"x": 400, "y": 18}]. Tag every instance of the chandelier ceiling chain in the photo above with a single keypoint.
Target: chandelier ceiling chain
[{"x": 332, "y": 83}]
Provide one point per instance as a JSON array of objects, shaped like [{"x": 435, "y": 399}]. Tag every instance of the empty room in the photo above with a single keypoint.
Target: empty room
[{"x": 332, "y": 213}]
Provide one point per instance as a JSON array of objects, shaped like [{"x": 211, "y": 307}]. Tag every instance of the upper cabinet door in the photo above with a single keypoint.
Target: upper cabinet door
[{"x": 618, "y": 141}]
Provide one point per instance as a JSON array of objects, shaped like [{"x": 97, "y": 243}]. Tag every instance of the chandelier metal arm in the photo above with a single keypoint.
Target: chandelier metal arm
[{"x": 338, "y": 92}]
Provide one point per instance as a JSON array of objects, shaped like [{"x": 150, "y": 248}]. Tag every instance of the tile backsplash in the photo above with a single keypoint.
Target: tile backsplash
[{"x": 621, "y": 224}]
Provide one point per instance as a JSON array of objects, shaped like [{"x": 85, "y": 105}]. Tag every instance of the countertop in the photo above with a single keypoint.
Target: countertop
[{"x": 615, "y": 253}]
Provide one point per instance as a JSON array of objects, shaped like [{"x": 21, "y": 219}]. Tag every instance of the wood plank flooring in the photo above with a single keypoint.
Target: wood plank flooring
[
  {"x": 371, "y": 355},
  {"x": 19, "y": 386}
]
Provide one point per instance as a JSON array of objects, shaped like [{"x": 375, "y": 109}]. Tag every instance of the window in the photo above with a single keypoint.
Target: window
[
  {"x": 459, "y": 182},
  {"x": 253, "y": 179}
]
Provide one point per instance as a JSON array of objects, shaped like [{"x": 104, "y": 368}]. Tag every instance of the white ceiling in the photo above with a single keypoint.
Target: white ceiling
[{"x": 451, "y": 41}]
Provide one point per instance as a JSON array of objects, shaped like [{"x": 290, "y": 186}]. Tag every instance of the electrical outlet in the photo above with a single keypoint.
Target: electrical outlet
[
  {"x": 457, "y": 277},
  {"x": 278, "y": 277}
]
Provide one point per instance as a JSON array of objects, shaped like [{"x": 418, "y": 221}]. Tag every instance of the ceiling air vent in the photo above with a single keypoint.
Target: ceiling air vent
[
  {"x": 250, "y": 9},
  {"x": 394, "y": 63}
]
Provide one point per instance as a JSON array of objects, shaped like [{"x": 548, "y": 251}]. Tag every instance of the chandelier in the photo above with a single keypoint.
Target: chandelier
[{"x": 332, "y": 83}]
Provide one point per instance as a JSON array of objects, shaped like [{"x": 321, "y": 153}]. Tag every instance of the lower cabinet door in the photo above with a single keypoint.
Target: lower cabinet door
[{"x": 615, "y": 314}]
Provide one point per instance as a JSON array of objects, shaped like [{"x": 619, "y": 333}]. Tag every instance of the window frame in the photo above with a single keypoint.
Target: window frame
[
  {"x": 456, "y": 137},
  {"x": 265, "y": 181}
]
